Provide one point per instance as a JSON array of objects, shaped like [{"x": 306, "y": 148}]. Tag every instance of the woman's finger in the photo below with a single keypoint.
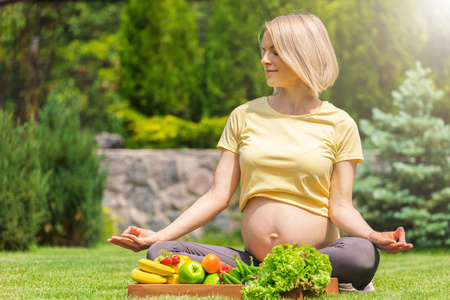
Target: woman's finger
[
  {"x": 126, "y": 231},
  {"x": 401, "y": 236},
  {"x": 396, "y": 248},
  {"x": 128, "y": 244},
  {"x": 136, "y": 230},
  {"x": 131, "y": 237},
  {"x": 119, "y": 243}
]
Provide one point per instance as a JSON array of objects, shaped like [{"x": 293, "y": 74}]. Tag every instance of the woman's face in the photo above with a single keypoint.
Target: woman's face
[{"x": 278, "y": 73}]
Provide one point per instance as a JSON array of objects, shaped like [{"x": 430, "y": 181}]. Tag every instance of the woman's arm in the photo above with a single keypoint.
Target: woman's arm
[
  {"x": 344, "y": 215},
  {"x": 226, "y": 179}
]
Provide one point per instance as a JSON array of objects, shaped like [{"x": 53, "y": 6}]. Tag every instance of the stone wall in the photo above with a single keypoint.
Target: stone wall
[{"x": 150, "y": 188}]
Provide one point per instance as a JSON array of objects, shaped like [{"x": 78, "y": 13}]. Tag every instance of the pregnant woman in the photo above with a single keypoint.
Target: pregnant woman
[{"x": 295, "y": 157}]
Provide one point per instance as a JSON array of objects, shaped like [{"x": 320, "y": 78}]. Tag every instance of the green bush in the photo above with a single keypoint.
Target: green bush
[
  {"x": 51, "y": 186},
  {"x": 407, "y": 182},
  {"x": 23, "y": 186},
  {"x": 160, "y": 132},
  {"x": 74, "y": 201}
]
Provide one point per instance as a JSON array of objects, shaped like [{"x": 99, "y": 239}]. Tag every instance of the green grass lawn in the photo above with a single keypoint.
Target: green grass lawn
[{"x": 104, "y": 273}]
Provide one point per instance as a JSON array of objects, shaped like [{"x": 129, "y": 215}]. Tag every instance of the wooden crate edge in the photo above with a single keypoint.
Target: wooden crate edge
[{"x": 204, "y": 290}]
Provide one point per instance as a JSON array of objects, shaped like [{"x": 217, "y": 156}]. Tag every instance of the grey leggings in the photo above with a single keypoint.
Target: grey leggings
[{"x": 354, "y": 260}]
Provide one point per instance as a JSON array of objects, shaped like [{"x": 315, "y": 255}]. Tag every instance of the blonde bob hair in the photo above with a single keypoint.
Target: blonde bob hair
[{"x": 303, "y": 43}]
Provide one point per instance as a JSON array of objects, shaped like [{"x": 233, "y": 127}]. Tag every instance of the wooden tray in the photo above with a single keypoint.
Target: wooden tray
[{"x": 205, "y": 290}]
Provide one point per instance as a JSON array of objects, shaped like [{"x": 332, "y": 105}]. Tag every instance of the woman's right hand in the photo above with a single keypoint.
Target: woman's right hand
[
  {"x": 391, "y": 242},
  {"x": 135, "y": 239}
]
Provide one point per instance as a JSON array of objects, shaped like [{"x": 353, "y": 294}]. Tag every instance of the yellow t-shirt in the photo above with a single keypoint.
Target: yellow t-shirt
[{"x": 290, "y": 158}]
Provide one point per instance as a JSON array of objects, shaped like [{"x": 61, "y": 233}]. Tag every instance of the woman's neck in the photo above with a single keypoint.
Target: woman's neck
[{"x": 295, "y": 101}]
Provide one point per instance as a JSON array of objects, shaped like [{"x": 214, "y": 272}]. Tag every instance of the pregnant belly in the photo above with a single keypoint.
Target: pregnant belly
[{"x": 266, "y": 223}]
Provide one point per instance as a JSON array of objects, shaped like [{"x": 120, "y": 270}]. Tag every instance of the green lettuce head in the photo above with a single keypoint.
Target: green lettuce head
[{"x": 287, "y": 267}]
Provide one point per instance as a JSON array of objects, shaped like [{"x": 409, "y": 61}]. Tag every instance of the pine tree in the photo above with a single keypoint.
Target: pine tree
[
  {"x": 76, "y": 182},
  {"x": 407, "y": 182},
  {"x": 23, "y": 184}
]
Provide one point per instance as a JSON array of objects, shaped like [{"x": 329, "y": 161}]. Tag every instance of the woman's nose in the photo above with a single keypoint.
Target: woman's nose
[{"x": 265, "y": 60}]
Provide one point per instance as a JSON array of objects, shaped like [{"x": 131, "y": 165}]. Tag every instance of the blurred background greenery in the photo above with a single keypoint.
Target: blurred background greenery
[
  {"x": 195, "y": 60},
  {"x": 166, "y": 74}
]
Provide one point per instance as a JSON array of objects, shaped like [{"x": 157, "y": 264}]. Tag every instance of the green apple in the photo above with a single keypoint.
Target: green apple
[
  {"x": 191, "y": 272},
  {"x": 213, "y": 278}
]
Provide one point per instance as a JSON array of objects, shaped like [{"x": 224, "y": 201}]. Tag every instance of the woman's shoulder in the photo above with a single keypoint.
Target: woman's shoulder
[
  {"x": 250, "y": 106},
  {"x": 339, "y": 114}
]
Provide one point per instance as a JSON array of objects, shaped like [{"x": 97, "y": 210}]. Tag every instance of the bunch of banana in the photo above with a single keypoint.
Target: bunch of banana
[
  {"x": 155, "y": 272},
  {"x": 151, "y": 272}
]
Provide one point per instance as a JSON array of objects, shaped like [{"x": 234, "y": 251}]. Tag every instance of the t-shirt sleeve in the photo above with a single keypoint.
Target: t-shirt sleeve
[
  {"x": 229, "y": 139},
  {"x": 348, "y": 141}
]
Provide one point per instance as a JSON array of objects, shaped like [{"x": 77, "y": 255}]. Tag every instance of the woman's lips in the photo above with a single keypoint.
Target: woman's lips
[{"x": 269, "y": 72}]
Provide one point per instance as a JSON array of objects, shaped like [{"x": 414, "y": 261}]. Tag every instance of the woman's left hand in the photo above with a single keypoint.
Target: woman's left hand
[
  {"x": 134, "y": 238},
  {"x": 390, "y": 242}
]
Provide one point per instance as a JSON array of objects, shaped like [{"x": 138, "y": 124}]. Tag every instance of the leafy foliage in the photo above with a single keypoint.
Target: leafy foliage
[
  {"x": 23, "y": 185},
  {"x": 287, "y": 267},
  {"x": 199, "y": 59},
  {"x": 365, "y": 52},
  {"x": 52, "y": 187},
  {"x": 87, "y": 61},
  {"x": 408, "y": 185},
  {"x": 233, "y": 72},
  {"x": 69, "y": 44},
  {"x": 25, "y": 60},
  {"x": 435, "y": 53},
  {"x": 159, "y": 58},
  {"x": 170, "y": 131}
]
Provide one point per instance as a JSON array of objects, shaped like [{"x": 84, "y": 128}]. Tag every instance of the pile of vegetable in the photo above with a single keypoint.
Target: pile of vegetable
[
  {"x": 180, "y": 269},
  {"x": 287, "y": 267}
]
